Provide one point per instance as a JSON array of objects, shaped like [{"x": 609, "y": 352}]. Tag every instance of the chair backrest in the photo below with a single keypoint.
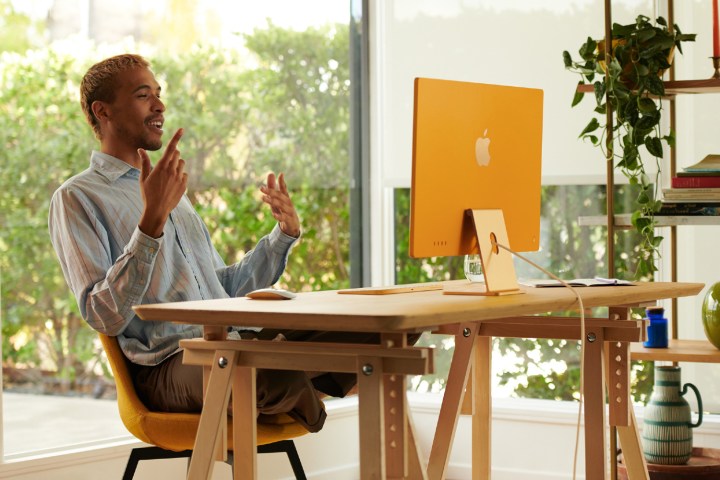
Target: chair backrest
[
  {"x": 129, "y": 404},
  {"x": 176, "y": 431}
]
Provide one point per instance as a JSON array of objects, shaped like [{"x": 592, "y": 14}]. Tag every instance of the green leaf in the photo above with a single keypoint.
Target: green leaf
[
  {"x": 645, "y": 34},
  {"x": 577, "y": 98},
  {"x": 646, "y": 105},
  {"x": 630, "y": 158},
  {"x": 626, "y": 140},
  {"x": 588, "y": 71},
  {"x": 590, "y": 127},
  {"x": 670, "y": 138},
  {"x": 622, "y": 30},
  {"x": 599, "y": 88},
  {"x": 686, "y": 37},
  {"x": 640, "y": 221},
  {"x": 587, "y": 50},
  {"x": 621, "y": 92},
  {"x": 615, "y": 68},
  {"x": 567, "y": 59},
  {"x": 655, "y": 86},
  {"x": 641, "y": 20},
  {"x": 654, "y": 146},
  {"x": 646, "y": 123}
]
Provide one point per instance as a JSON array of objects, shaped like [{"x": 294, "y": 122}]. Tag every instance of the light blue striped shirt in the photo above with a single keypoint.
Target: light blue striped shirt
[{"x": 110, "y": 265}]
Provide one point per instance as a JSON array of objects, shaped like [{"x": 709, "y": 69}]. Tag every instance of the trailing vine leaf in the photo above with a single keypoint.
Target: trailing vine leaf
[{"x": 630, "y": 83}]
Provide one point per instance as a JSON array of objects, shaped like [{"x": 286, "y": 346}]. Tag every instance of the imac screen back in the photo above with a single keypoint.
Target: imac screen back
[{"x": 475, "y": 146}]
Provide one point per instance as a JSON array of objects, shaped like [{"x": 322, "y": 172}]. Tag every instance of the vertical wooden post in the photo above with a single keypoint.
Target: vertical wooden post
[
  {"x": 244, "y": 408},
  {"x": 482, "y": 410},
  {"x": 395, "y": 413},
  {"x": 370, "y": 406},
  {"x": 594, "y": 381}
]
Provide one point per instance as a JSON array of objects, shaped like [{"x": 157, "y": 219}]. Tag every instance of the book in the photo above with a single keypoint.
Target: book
[
  {"x": 575, "y": 282},
  {"x": 697, "y": 194},
  {"x": 695, "y": 181},
  {"x": 689, "y": 209},
  {"x": 710, "y": 173},
  {"x": 711, "y": 163}
]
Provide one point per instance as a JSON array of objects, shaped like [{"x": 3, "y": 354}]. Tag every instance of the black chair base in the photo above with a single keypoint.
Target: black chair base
[{"x": 157, "y": 453}]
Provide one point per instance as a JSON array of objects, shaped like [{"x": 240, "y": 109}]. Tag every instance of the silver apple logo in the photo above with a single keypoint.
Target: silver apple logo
[{"x": 482, "y": 150}]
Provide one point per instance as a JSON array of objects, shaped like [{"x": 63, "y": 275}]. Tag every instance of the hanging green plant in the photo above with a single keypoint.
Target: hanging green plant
[{"x": 629, "y": 80}]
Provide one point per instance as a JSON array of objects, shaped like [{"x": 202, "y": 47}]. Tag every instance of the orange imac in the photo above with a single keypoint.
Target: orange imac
[{"x": 477, "y": 154}]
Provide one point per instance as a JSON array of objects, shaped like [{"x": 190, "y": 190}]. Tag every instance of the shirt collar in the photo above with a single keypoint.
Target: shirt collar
[{"x": 110, "y": 167}]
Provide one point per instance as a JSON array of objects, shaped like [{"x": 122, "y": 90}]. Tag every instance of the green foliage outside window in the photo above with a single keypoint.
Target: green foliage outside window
[{"x": 288, "y": 111}]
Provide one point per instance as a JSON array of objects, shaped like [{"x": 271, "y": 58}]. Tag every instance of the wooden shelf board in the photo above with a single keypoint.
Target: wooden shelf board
[
  {"x": 701, "y": 351},
  {"x": 711, "y": 85},
  {"x": 678, "y": 87},
  {"x": 661, "y": 220}
]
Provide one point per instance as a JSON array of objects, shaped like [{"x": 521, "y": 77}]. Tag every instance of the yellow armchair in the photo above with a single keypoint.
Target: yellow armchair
[{"x": 172, "y": 435}]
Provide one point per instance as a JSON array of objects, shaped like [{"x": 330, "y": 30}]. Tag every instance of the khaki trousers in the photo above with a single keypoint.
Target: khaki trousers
[{"x": 172, "y": 386}]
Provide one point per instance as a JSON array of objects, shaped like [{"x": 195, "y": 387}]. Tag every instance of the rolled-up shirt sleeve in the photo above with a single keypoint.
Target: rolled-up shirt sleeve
[{"x": 260, "y": 267}]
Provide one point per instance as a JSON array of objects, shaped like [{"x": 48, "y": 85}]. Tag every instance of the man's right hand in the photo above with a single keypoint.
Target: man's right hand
[{"x": 162, "y": 186}]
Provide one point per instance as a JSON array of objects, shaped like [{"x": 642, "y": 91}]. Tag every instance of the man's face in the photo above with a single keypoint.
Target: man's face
[{"x": 135, "y": 117}]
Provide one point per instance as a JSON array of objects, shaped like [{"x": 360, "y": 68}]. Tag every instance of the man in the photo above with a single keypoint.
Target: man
[{"x": 126, "y": 234}]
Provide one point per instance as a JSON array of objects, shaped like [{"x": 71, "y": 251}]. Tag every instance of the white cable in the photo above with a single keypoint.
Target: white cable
[{"x": 582, "y": 347}]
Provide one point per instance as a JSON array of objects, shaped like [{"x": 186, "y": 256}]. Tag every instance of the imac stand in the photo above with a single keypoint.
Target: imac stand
[{"x": 497, "y": 264}]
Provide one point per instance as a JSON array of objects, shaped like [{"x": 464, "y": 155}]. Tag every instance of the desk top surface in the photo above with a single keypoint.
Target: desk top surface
[{"x": 327, "y": 310}]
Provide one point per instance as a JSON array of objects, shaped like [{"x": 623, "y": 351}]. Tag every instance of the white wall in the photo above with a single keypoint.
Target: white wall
[
  {"x": 516, "y": 43},
  {"x": 520, "y": 43},
  {"x": 532, "y": 440}
]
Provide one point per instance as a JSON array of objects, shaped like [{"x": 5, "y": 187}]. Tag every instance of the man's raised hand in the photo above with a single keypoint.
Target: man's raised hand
[
  {"x": 162, "y": 186},
  {"x": 277, "y": 196}
]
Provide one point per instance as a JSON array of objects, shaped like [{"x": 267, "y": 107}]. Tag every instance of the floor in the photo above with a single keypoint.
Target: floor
[{"x": 44, "y": 422}]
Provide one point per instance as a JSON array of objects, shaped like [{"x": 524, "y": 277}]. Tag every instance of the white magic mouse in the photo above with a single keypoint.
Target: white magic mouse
[{"x": 271, "y": 294}]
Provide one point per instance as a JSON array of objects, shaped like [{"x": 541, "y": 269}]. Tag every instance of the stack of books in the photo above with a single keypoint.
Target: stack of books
[{"x": 695, "y": 190}]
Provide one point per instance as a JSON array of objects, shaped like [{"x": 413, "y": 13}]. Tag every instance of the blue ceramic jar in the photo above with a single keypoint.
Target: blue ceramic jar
[{"x": 657, "y": 330}]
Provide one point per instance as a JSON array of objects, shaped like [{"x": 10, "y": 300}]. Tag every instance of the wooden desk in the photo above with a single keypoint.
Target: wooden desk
[{"x": 384, "y": 433}]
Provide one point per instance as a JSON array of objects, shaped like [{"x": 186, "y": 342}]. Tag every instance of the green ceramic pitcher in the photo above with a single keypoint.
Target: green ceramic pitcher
[{"x": 667, "y": 431}]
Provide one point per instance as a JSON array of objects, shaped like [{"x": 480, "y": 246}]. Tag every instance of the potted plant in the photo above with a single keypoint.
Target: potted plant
[{"x": 628, "y": 79}]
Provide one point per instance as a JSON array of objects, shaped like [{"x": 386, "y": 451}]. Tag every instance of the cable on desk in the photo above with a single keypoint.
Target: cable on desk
[{"x": 582, "y": 345}]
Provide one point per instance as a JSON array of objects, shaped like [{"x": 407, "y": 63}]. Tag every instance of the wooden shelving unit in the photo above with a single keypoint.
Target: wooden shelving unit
[
  {"x": 698, "y": 351},
  {"x": 678, "y": 87},
  {"x": 623, "y": 221}
]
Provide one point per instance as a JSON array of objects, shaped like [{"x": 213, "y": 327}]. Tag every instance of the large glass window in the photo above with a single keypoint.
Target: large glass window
[
  {"x": 258, "y": 87},
  {"x": 534, "y": 368}
]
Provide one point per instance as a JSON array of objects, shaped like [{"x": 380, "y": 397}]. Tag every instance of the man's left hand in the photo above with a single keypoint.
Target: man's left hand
[{"x": 276, "y": 195}]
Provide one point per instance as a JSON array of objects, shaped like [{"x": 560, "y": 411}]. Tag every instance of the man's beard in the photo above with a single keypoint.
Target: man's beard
[
  {"x": 150, "y": 143},
  {"x": 143, "y": 140}
]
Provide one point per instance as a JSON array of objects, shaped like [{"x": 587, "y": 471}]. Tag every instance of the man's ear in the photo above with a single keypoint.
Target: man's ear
[{"x": 100, "y": 110}]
